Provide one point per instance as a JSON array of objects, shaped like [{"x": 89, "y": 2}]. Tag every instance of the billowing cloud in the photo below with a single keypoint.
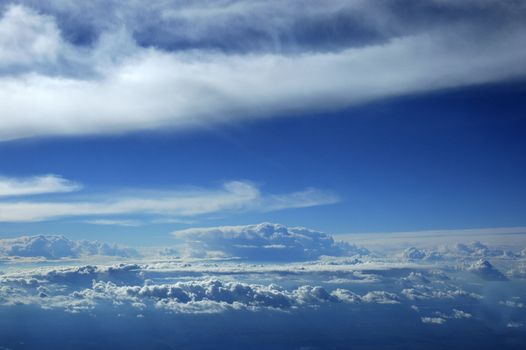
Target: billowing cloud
[
  {"x": 184, "y": 65},
  {"x": 369, "y": 292},
  {"x": 264, "y": 241},
  {"x": 58, "y": 247},
  {"x": 10, "y": 186},
  {"x": 486, "y": 270},
  {"x": 234, "y": 196},
  {"x": 472, "y": 250}
]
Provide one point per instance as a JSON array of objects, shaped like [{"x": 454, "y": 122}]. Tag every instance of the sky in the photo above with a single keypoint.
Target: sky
[
  {"x": 262, "y": 174},
  {"x": 127, "y": 123}
]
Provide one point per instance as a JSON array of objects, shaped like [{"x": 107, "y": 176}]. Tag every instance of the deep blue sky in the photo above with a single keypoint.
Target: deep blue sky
[
  {"x": 349, "y": 116},
  {"x": 450, "y": 159}
]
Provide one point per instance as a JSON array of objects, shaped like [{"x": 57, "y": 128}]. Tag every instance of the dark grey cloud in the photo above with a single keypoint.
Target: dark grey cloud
[{"x": 294, "y": 26}]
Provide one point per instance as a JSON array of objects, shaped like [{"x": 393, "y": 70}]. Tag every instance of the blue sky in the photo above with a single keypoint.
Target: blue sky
[
  {"x": 453, "y": 159},
  {"x": 119, "y": 108}
]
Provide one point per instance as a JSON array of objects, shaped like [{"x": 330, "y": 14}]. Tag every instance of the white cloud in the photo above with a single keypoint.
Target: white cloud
[
  {"x": 202, "y": 286},
  {"x": 58, "y": 247},
  {"x": 114, "y": 222},
  {"x": 35, "y": 185},
  {"x": 143, "y": 88},
  {"x": 65, "y": 290},
  {"x": 233, "y": 196},
  {"x": 27, "y": 37},
  {"x": 486, "y": 270},
  {"x": 84, "y": 288},
  {"x": 264, "y": 241},
  {"x": 433, "y": 320}
]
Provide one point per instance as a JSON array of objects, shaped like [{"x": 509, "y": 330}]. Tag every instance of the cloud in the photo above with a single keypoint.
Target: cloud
[
  {"x": 178, "y": 66},
  {"x": 111, "y": 222},
  {"x": 64, "y": 289},
  {"x": 433, "y": 320},
  {"x": 58, "y": 247},
  {"x": 194, "y": 286},
  {"x": 486, "y": 270},
  {"x": 264, "y": 241},
  {"x": 36, "y": 185},
  {"x": 415, "y": 254},
  {"x": 232, "y": 196},
  {"x": 28, "y": 38},
  {"x": 518, "y": 270}
]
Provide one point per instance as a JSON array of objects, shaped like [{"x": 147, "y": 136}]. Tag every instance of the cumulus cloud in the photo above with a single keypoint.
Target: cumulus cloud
[
  {"x": 264, "y": 241},
  {"x": 232, "y": 196},
  {"x": 58, "y": 247},
  {"x": 486, "y": 270},
  {"x": 204, "y": 287},
  {"x": 472, "y": 250},
  {"x": 82, "y": 288},
  {"x": 10, "y": 186},
  {"x": 182, "y": 65},
  {"x": 416, "y": 254}
]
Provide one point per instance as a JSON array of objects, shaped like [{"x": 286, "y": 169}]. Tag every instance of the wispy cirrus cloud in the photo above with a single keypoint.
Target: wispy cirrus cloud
[
  {"x": 11, "y": 186},
  {"x": 185, "y": 65},
  {"x": 114, "y": 222},
  {"x": 233, "y": 196}
]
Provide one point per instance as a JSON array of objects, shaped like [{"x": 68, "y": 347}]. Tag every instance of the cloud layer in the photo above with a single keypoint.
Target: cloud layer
[
  {"x": 366, "y": 294},
  {"x": 185, "y": 65}
]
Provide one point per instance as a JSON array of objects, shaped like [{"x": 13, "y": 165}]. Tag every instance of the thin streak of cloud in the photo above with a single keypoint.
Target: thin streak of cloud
[
  {"x": 115, "y": 222},
  {"x": 234, "y": 196}
]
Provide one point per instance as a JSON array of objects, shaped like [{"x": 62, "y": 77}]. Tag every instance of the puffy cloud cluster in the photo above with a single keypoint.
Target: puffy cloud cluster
[
  {"x": 415, "y": 254},
  {"x": 85, "y": 288},
  {"x": 472, "y": 250},
  {"x": 58, "y": 247},
  {"x": 204, "y": 287},
  {"x": 441, "y": 318},
  {"x": 210, "y": 296},
  {"x": 185, "y": 64},
  {"x": 264, "y": 241},
  {"x": 479, "y": 250},
  {"x": 436, "y": 285},
  {"x": 486, "y": 270}
]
